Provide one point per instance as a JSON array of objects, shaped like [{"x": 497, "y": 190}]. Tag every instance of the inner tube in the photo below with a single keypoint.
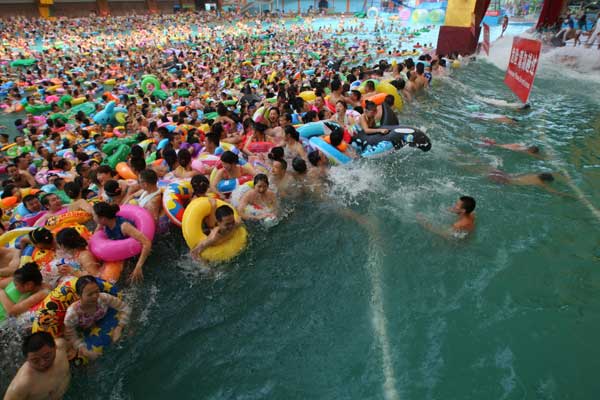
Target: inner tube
[
  {"x": 193, "y": 234},
  {"x": 373, "y": 12},
  {"x": 150, "y": 79},
  {"x": 106, "y": 249},
  {"x": 399, "y": 136},
  {"x": 175, "y": 198}
]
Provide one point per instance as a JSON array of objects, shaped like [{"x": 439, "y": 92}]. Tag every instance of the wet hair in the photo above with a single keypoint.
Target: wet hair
[
  {"x": 71, "y": 239},
  {"x": 531, "y": 149},
  {"x": 299, "y": 165},
  {"x": 200, "y": 184},
  {"x": 546, "y": 177},
  {"x": 261, "y": 178},
  {"x": 276, "y": 153},
  {"x": 41, "y": 236},
  {"x": 28, "y": 198},
  {"x": 468, "y": 204},
  {"x": 105, "y": 169},
  {"x": 83, "y": 282},
  {"x": 420, "y": 68},
  {"x": 29, "y": 272},
  {"x": 106, "y": 210},
  {"x": 137, "y": 164},
  {"x": 282, "y": 162},
  {"x": 335, "y": 85},
  {"x": 213, "y": 138},
  {"x": 336, "y": 137},
  {"x": 309, "y": 116},
  {"x": 46, "y": 199},
  {"x": 8, "y": 190},
  {"x": 72, "y": 189},
  {"x": 292, "y": 132},
  {"x": 170, "y": 157},
  {"x": 370, "y": 106},
  {"x": 184, "y": 158},
  {"x": 36, "y": 341},
  {"x": 149, "y": 176},
  {"x": 370, "y": 85},
  {"x": 112, "y": 188},
  {"x": 222, "y": 212},
  {"x": 389, "y": 100},
  {"x": 137, "y": 152},
  {"x": 229, "y": 157},
  {"x": 314, "y": 157}
]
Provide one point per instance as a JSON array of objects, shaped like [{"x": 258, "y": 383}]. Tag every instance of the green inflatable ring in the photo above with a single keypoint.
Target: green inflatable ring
[
  {"x": 151, "y": 158},
  {"x": 150, "y": 80},
  {"x": 38, "y": 109},
  {"x": 118, "y": 156},
  {"x": 14, "y": 295},
  {"x": 183, "y": 92},
  {"x": 230, "y": 102},
  {"x": 26, "y": 62},
  {"x": 160, "y": 94},
  {"x": 211, "y": 115},
  {"x": 87, "y": 108}
]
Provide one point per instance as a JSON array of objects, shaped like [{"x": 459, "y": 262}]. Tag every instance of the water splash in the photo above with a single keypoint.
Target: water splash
[{"x": 378, "y": 319}]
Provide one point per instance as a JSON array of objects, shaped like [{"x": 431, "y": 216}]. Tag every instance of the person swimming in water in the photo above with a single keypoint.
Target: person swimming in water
[
  {"x": 226, "y": 227},
  {"x": 517, "y": 147},
  {"x": 464, "y": 225}
]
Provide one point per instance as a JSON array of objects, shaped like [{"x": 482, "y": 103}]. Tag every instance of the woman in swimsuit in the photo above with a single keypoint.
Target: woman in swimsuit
[{"x": 118, "y": 228}]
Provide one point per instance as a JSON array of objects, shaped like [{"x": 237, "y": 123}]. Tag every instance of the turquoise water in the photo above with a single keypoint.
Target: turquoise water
[{"x": 322, "y": 307}]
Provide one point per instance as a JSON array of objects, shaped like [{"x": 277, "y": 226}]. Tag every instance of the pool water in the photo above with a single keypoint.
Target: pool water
[{"x": 328, "y": 306}]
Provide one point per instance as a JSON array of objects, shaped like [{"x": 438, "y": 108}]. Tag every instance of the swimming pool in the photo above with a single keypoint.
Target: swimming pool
[{"x": 321, "y": 307}]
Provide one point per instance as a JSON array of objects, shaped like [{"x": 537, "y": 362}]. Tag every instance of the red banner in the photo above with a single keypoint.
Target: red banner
[
  {"x": 522, "y": 66},
  {"x": 486, "y": 39}
]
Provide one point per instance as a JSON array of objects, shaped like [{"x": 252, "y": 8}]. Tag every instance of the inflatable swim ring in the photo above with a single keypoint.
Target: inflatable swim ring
[
  {"x": 106, "y": 249},
  {"x": 191, "y": 228},
  {"x": 175, "y": 198}
]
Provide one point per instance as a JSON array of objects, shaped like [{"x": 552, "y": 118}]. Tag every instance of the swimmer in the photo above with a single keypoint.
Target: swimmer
[
  {"x": 45, "y": 373},
  {"x": 462, "y": 227},
  {"x": 258, "y": 203},
  {"x": 517, "y": 147},
  {"x": 53, "y": 204},
  {"x": 542, "y": 180},
  {"x": 226, "y": 227}
]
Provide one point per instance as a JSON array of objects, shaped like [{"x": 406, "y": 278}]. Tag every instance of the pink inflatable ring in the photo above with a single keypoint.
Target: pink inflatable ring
[{"x": 106, "y": 249}]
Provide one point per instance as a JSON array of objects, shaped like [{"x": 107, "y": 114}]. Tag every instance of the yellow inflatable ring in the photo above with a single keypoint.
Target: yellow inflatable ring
[{"x": 191, "y": 228}]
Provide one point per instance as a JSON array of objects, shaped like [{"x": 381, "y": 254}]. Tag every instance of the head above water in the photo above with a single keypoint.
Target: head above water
[
  {"x": 546, "y": 177},
  {"x": 40, "y": 350},
  {"x": 467, "y": 204}
]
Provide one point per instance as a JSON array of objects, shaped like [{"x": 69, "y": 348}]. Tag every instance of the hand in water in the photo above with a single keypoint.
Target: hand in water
[
  {"x": 136, "y": 275},
  {"x": 116, "y": 334}
]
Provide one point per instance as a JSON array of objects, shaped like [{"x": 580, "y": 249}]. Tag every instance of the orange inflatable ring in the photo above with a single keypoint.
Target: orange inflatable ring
[
  {"x": 125, "y": 171},
  {"x": 341, "y": 147}
]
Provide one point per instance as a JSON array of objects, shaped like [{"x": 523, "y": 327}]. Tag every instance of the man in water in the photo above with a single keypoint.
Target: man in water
[
  {"x": 226, "y": 227},
  {"x": 465, "y": 224},
  {"x": 541, "y": 180},
  {"x": 518, "y": 147},
  {"x": 45, "y": 374}
]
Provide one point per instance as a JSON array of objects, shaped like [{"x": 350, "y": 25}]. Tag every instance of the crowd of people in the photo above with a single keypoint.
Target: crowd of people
[{"x": 164, "y": 99}]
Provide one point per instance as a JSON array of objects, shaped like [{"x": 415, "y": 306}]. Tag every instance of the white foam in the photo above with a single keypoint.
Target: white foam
[
  {"x": 378, "y": 319},
  {"x": 568, "y": 62},
  {"x": 351, "y": 182}
]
